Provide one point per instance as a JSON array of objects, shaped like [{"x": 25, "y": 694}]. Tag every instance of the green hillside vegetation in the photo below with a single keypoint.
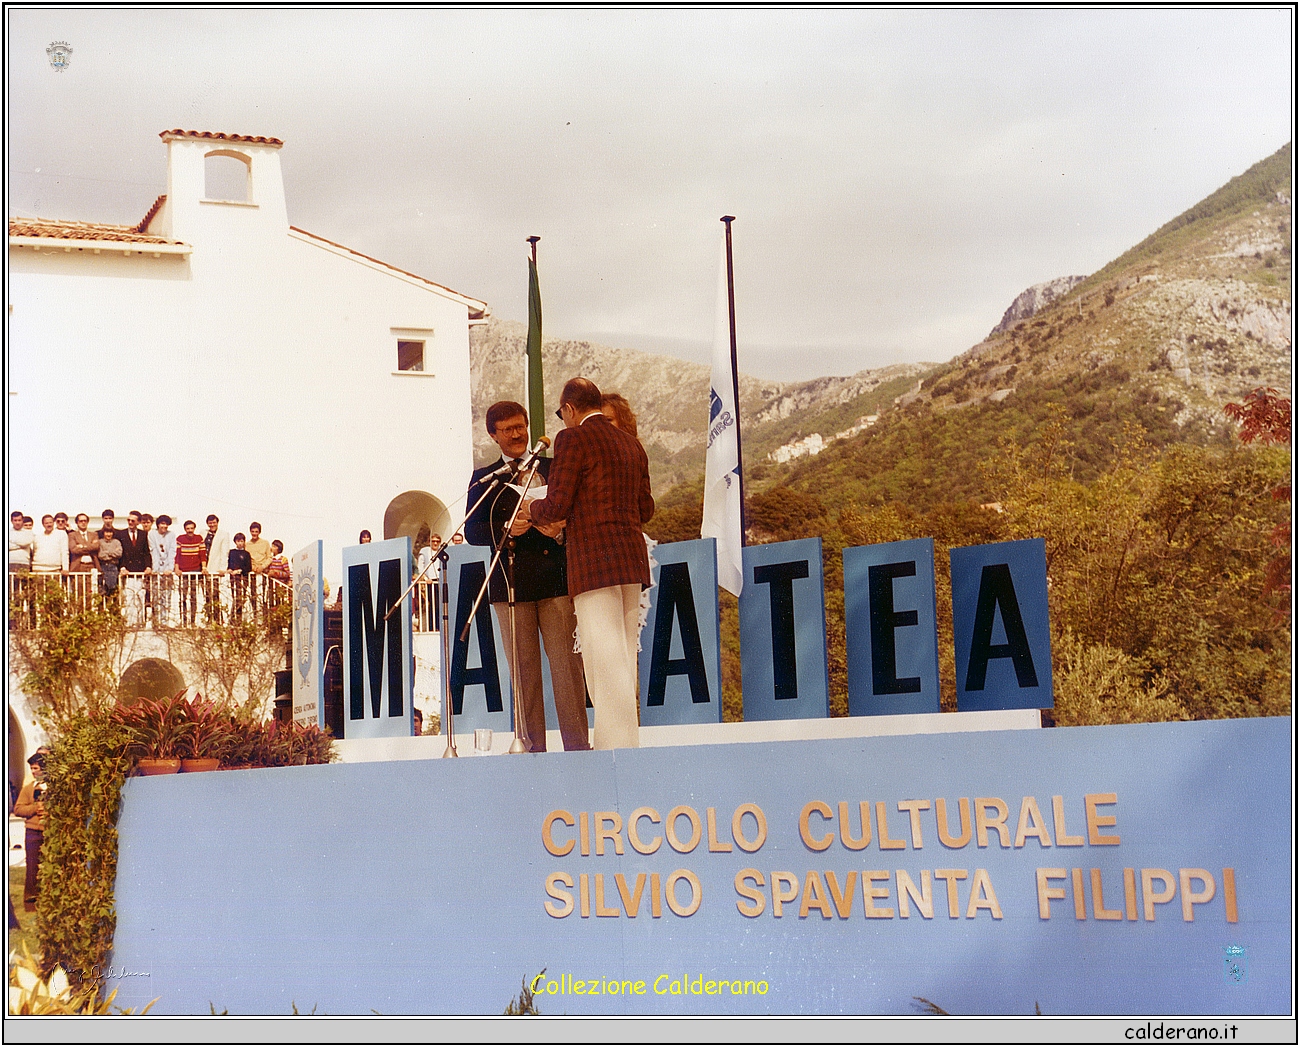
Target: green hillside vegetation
[
  {"x": 1247, "y": 191},
  {"x": 920, "y": 456},
  {"x": 761, "y": 440},
  {"x": 1097, "y": 425}
]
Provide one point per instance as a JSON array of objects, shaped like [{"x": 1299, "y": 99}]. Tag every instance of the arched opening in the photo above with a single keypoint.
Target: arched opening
[
  {"x": 227, "y": 175},
  {"x": 408, "y": 511},
  {"x": 149, "y": 678},
  {"x": 17, "y": 754}
]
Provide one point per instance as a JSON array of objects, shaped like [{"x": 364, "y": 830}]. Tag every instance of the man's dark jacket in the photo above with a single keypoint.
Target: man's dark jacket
[
  {"x": 539, "y": 561},
  {"x": 136, "y": 557}
]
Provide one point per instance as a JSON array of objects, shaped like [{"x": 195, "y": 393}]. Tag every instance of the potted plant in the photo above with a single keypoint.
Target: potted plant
[
  {"x": 210, "y": 738},
  {"x": 157, "y": 729},
  {"x": 242, "y": 745}
]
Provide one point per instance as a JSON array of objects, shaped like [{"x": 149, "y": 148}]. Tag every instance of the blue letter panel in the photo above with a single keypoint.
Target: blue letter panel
[
  {"x": 783, "y": 632},
  {"x": 681, "y": 660},
  {"x": 480, "y": 671},
  {"x": 999, "y": 626},
  {"x": 378, "y": 666},
  {"x": 890, "y": 628}
]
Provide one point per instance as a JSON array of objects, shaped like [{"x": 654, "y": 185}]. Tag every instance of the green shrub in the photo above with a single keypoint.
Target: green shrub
[{"x": 75, "y": 916}]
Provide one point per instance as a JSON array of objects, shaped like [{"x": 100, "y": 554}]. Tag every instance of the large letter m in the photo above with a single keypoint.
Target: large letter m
[{"x": 367, "y": 633}]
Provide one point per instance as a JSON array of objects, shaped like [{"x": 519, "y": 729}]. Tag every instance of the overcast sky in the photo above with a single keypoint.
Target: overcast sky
[{"x": 897, "y": 176}]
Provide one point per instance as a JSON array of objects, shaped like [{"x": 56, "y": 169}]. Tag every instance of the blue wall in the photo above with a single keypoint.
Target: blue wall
[{"x": 419, "y": 886}]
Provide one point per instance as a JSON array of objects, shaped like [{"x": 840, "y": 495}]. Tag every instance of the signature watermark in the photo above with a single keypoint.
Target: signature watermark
[
  {"x": 685, "y": 984},
  {"x": 112, "y": 971}
]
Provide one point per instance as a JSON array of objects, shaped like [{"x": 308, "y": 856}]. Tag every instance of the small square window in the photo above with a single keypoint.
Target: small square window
[{"x": 410, "y": 356}]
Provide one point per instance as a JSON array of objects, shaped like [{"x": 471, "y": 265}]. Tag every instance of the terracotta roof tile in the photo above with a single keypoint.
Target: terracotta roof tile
[
  {"x": 143, "y": 225},
  {"x": 57, "y": 229},
  {"x": 177, "y": 132}
]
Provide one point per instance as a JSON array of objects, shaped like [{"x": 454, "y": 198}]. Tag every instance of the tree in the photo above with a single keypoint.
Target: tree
[
  {"x": 1159, "y": 560},
  {"x": 231, "y": 653},
  {"x": 1265, "y": 418},
  {"x": 66, "y": 649}
]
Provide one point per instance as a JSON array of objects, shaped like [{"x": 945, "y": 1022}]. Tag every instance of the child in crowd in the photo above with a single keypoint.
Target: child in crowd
[
  {"x": 239, "y": 564},
  {"x": 279, "y": 569}
]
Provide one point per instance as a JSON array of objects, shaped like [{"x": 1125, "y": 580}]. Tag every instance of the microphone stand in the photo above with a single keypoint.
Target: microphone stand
[
  {"x": 522, "y": 742},
  {"x": 442, "y": 558},
  {"x": 490, "y": 484},
  {"x": 487, "y": 490},
  {"x": 444, "y": 646}
]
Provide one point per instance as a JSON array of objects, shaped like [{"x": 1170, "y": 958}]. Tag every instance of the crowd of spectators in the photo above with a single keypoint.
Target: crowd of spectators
[
  {"x": 157, "y": 572},
  {"x": 148, "y": 561}
]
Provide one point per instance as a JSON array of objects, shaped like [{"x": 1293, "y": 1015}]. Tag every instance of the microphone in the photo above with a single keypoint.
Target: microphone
[
  {"x": 542, "y": 444},
  {"x": 504, "y": 469}
]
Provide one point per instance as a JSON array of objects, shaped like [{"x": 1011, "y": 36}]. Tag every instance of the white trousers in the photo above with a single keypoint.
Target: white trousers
[{"x": 608, "y": 625}]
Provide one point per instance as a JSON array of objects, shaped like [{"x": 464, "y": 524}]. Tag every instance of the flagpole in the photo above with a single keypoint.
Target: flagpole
[{"x": 735, "y": 374}]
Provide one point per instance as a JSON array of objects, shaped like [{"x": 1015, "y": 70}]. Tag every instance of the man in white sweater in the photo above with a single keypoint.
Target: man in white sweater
[{"x": 49, "y": 549}]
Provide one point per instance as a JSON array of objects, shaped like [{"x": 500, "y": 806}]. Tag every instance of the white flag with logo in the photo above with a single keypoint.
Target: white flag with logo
[{"x": 722, "y": 460}]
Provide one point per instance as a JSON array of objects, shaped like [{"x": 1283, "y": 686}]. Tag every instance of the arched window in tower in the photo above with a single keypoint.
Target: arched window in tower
[{"x": 228, "y": 176}]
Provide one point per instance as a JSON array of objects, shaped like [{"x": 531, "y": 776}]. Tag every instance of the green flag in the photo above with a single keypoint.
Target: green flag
[{"x": 536, "y": 393}]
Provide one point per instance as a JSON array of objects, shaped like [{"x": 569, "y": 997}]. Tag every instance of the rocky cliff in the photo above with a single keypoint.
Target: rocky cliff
[
  {"x": 1035, "y": 299},
  {"x": 669, "y": 396}
]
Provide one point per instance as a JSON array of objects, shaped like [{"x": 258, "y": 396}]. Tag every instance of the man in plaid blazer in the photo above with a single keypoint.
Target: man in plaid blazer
[{"x": 600, "y": 484}]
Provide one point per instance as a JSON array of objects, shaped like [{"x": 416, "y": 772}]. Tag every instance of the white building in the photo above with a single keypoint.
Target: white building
[{"x": 216, "y": 359}]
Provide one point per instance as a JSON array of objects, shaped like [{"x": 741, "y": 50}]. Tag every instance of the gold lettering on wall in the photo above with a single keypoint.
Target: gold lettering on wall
[
  {"x": 1097, "y": 821},
  {"x": 548, "y": 841},
  {"x": 634, "y": 838},
  {"x": 814, "y": 843},
  {"x": 749, "y": 846},
  {"x": 1046, "y": 892},
  {"x": 914, "y": 809},
  {"x": 715, "y": 845},
  {"x": 855, "y": 843},
  {"x": 1063, "y": 838},
  {"x": 941, "y": 816},
  {"x": 950, "y": 878},
  {"x": 670, "y": 829}
]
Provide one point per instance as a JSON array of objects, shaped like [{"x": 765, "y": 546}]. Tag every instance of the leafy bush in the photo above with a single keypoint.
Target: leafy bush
[
  {"x": 158, "y": 729},
  {"x": 1099, "y": 685},
  {"x": 75, "y": 916},
  {"x": 65, "y": 650}
]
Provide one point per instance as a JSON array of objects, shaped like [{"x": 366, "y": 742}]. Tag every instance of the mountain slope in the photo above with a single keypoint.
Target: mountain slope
[
  {"x": 669, "y": 396},
  {"x": 1196, "y": 315},
  {"x": 1097, "y": 425}
]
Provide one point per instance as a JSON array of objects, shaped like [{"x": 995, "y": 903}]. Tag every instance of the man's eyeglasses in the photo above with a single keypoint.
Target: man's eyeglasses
[{"x": 512, "y": 430}]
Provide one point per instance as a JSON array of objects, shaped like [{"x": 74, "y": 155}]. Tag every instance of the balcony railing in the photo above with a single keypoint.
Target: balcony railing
[
  {"x": 182, "y": 601},
  {"x": 426, "y": 608},
  {"x": 153, "y": 601}
]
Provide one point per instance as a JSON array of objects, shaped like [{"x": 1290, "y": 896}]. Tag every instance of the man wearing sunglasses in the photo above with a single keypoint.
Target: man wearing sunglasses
[{"x": 600, "y": 484}]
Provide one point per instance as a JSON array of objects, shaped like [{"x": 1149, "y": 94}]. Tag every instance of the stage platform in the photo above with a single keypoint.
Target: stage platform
[{"x": 364, "y": 750}]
